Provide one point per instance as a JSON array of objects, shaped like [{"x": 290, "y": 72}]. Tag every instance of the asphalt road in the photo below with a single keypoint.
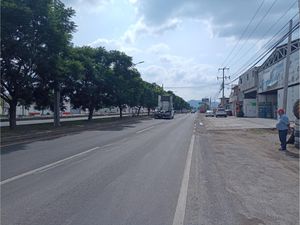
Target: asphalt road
[
  {"x": 62, "y": 119},
  {"x": 127, "y": 174},
  {"x": 151, "y": 172}
]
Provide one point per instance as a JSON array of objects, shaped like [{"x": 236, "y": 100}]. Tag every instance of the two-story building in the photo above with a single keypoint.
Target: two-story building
[
  {"x": 271, "y": 76},
  {"x": 261, "y": 88},
  {"x": 248, "y": 86}
]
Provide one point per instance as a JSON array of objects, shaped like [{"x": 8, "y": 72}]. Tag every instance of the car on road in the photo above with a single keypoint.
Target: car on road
[
  {"x": 221, "y": 112},
  {"x": 228, "y": 112},
  {"x": 209, "y": 113}
]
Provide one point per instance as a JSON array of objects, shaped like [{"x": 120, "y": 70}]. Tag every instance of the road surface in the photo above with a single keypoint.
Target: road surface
[{"x": 149, "y": 172}]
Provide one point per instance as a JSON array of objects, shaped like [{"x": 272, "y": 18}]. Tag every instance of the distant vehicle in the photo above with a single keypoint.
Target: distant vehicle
[
  {"x": 209, "y": 113},
  {"x": 165, "y": 107},
  {"x": 221, "y": 112},
  {"x": 193, "y": 111},
  {"x": 228, "y": 112}
]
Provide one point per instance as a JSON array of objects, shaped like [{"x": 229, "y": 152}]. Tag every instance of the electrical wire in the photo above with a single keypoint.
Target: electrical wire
[
  {"x": 262, "y": 56},
  {"x": 249, "y": 49},
  {"x": 244, "y": 32},
  {"x": 255, "y": 28}
]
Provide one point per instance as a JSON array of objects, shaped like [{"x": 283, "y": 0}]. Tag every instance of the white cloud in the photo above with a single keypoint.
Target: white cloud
[
  {"x": 108, "y": 44},
  {"x": 140, "y": 28},
  {"x": 225, "y": 18},
  {"x": 115, "y": 45},
  {"x": 158, "y": 48},
  {"x": 88, "y": 5}
]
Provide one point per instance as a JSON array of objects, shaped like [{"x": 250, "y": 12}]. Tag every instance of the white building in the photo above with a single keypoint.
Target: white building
[{"x": 271, "y": 81}]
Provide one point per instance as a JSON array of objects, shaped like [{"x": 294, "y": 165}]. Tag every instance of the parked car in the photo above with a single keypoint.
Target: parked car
[
  {"x": 228, "y": 112},
  {"x": 209, "y": 113},
  {"x": 221, "y": 112}
]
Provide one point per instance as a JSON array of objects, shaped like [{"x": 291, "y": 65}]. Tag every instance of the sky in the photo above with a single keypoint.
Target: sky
[{"x": 183, "y": 43}]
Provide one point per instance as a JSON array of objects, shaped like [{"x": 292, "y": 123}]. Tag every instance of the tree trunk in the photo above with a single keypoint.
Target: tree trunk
[
  {"x": 56, "y": 107},
  {"x": 139, "y": 110},
  {"x": 91, "y": 111},
  {"x": 12, "y": 115},
  {"x": 121, "y": 112}
]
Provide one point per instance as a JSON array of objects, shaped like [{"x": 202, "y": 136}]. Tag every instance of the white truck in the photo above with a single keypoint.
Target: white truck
[{"x": 165, "y": 108}]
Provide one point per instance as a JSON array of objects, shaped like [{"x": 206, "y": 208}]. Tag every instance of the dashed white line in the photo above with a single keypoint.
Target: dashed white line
[
  {"x": 141, "y": 131},
  {"x": 45, "y": 168},
  {"x": 181, "y": 203}
]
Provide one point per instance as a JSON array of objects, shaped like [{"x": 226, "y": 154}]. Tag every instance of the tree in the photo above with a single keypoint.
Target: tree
[
  {"x": 35, "y": 34},
  {"x": 150, "y": 95},
  {"x": 89, "y": 90},
  {"x": 20, "y": 36},
  {"x": 120, "y": 80},
  {"x": 56, "y": 36}
]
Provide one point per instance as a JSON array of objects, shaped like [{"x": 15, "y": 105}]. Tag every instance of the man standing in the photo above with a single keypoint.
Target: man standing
[{"x": 282, "y": 127}]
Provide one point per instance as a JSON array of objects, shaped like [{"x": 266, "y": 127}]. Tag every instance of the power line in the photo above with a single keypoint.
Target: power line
[
  {"x": 267, "y": 46},
  {"x": 262, "y": 56},
  {"x": 245, "y": 30},
  {"x": 255, "y": 28},
  {"x": 248, "y": 50}
]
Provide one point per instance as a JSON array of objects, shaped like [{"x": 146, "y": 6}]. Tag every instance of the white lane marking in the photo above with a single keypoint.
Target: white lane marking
[
  {"x": 141, "y": 131},
  {"x": 181, "y": 203},
  {"x": 45, "y": 167}
]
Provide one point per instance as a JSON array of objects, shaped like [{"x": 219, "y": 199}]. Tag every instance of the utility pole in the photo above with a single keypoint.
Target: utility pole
[
  {"x": 287, "y": 68},
  {"x": 223, "y": 83}
]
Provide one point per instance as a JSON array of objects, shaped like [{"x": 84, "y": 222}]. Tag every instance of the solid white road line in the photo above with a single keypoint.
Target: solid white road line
[
  {"x": 181, "y": 203},
  {"x": 44, "y": 168},
  {"x": 141, "y": 131}
]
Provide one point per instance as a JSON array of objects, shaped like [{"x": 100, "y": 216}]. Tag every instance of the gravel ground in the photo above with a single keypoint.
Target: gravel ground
[{"x": 238, "y": 176}]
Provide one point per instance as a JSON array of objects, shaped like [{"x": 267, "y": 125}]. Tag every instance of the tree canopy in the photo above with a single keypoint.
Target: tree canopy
[{"x": 39, "y": 65}]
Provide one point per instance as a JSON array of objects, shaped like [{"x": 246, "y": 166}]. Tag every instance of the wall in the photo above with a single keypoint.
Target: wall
[
  {"x": 248, "y": 80},
  {"x": 272, "y": 78},
  {"x": 293, "y": 95},
  {"x": 249, "y": 107}
]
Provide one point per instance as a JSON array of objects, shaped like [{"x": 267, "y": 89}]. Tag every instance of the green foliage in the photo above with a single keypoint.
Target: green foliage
[
  {"x": 38, "y": 60},
  {"x": 88, "y": 80}
]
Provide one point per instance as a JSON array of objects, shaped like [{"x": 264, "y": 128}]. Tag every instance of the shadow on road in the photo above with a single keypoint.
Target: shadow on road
[{"x": 16, "y": 140}]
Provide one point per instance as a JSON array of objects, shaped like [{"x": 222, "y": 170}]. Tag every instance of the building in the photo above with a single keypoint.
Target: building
[
  {"x": 259, "y": 92},
  {"x": 236, "y": 100},
  {"x": 248, "y": 86},
  {"x": 271, "y": 81}
]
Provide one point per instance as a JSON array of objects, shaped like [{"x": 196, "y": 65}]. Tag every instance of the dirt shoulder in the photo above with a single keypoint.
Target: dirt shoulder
[{"x": 239, "y": 176}]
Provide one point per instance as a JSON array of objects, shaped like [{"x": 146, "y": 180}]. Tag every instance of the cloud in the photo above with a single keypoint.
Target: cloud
[
  {"x": 225, "y": 18},
  {"x": 88, "y": 5},
  {"x": 140, "y": 28},
  {"x": 108, "y": 44},
  {"x": 158, "y": 48},
  {"x": 115, "y": 45}
]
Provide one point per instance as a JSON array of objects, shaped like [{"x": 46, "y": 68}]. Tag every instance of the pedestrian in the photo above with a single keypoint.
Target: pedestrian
[{"x": 282, "y": 126}]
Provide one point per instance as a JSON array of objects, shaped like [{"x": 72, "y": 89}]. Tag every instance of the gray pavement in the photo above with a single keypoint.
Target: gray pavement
[
  {"x": 152, "y": 172},
  {"x": 121, "y": 175},
  {"x": 41, "y": 121}
]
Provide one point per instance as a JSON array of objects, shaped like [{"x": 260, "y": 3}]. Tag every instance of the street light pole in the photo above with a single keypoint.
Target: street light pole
[
  {"x": 287, "y": 68},
  {"x": 134, "y": 64}
]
